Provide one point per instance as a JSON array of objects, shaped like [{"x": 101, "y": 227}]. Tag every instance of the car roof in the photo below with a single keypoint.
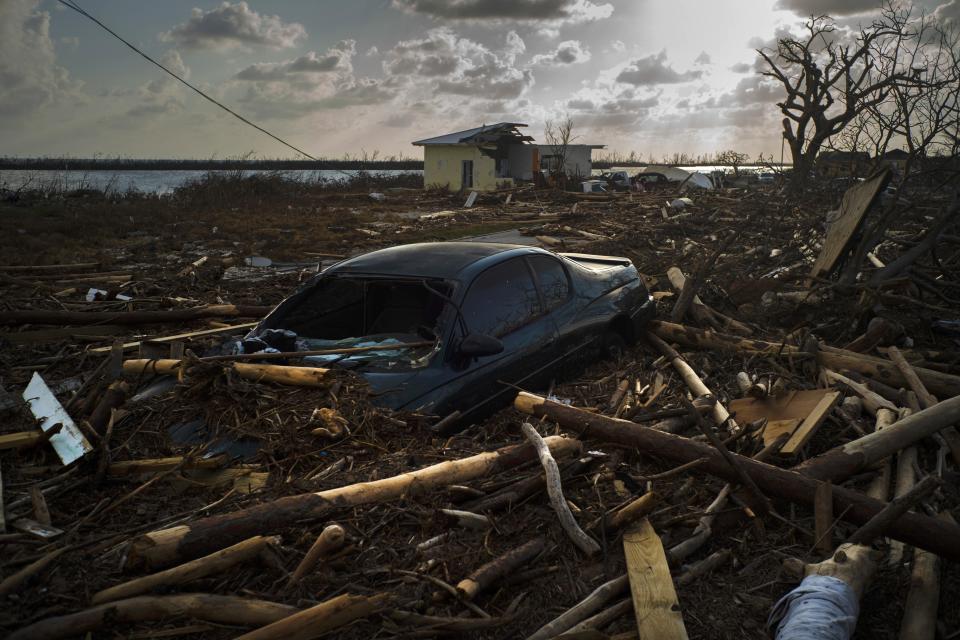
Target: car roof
[{"x": 448, "y": 260}]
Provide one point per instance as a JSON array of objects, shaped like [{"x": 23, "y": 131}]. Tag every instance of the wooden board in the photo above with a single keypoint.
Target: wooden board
[
  {"x": 20, "y": 439},
  {"x": 651, "y": 586},
  {"x": 182, "y": 336},
  {"x": 853, "y": 209},
  {"x": 799, "y": 413}
]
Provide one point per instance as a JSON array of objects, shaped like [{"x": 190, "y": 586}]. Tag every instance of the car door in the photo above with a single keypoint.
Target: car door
[
  {"x": 562, "y": 309},
  {"x": 503, "y": 301}
]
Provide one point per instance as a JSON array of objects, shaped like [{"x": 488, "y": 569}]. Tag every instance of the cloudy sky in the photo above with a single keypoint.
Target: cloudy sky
[{"x": 650, "y": 76}]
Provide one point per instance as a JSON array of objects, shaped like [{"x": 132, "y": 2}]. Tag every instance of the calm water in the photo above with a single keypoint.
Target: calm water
[{"x": 150, "y": 181}]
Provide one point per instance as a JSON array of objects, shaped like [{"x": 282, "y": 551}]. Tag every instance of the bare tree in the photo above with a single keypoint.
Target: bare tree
[
  {"x": 732, "y": 158},
  {"x": 559, "y": 136},
  {"x": 829, "y": 78}
]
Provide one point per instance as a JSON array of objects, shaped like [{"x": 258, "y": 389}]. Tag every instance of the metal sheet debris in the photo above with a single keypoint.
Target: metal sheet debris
[{"x": 68, "y": 442}]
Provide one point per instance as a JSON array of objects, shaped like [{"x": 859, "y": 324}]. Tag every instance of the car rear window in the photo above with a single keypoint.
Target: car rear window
[
  {"x": 553, "y": 280},
  {"x": 501, "y": 299}
]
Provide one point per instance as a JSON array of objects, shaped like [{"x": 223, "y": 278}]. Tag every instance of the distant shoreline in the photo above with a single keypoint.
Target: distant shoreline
[{"x": 143, "y": 164}]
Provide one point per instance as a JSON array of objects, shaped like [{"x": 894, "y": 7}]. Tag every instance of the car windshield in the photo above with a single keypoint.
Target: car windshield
[{"x": 375, "y": 314}]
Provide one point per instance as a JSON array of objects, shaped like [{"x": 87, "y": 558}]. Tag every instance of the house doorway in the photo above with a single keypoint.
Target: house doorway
[{"x": 466, "y": 175}]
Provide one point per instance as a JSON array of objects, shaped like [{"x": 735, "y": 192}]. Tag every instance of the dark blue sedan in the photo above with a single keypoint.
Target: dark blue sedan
[{"x": 488, "y": 318}]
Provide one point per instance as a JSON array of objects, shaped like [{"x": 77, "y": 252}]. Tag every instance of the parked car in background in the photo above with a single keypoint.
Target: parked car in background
[
  {"x": 767, "y": 178},
  {"x": 480, "y": 318}
]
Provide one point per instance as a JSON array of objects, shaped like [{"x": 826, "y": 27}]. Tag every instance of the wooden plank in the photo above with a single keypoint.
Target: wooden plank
[
  {"x": 810, "y": 424},
  {"x": 182, "y": 336},
  {"x": 21, "y": 439},
  {"x": 853, "y": 209},
  {"x": 654, "y": 596}
]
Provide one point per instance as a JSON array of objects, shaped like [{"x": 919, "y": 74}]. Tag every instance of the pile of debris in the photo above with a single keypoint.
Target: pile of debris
[{"x": 775, "y": 427}]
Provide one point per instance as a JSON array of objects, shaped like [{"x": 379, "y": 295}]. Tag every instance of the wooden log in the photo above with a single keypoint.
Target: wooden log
[
  {"x": 48, "y": 268},
  {"x": 842, "y": 462},
  {"x": 920, "y": 610},
  {"x": 555, "y": 490},
  {"x": 134, "y": 468},
  {"x": 280, "y": 374},
  {"x": 488, "y": 574},
  {"x": 919, "y": 530},
  {"x": 583, "y": 609},
  {"x": 878, "y": 524},
  {"x": 37, "y": 316},
  {"x": 703, "y": 313},
  {"x": 22, "y": 439},
  {"x": 693, "y": 381},
  {"x": 872, "y": 402},
  {"x": 113, "y": 398},
  {"x": 212, "y": 564},
  {"x": 330, "y": 539},
  {"x": 823, "y": 517},
  {"x": 655, "y": 602},
  {"x": 905, "y": 479},
  {"x": 600, "y": 620},
  {"x": 317, "y": 620},
  {"x": 199, "y": 537},
  {"x": 639, "y": 508},
  {"x": 230, "y": 610},
  {"x": 926, "y": 399},
  {"x": 189, "y": 335},
  {"x": 15, "y": 581},
  {"x": 703, "y": 567},
  {"x": 944, "y": 384}
]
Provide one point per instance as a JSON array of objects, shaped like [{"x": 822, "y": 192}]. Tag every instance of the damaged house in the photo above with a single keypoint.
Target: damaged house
[{"x": 496, "y": 155}]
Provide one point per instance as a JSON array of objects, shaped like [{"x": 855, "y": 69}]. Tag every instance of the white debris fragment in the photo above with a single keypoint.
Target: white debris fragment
[{"x": 68, "y": 442}]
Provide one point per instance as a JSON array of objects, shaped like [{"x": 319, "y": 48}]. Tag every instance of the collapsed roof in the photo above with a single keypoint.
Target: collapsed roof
[{"x": 491, "y": 134}]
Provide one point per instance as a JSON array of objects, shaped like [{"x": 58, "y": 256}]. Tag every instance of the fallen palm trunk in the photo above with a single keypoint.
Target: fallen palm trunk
[
  {"x": 132, "y": 317},
  {"x": 943, "y": 384},
  {"x": 499, "y": 567},
  {"x": 280, "y": 374},
  {"x": 918, "y": 530},
  {"x": 193, "y": 570},
  {"x": 202, "y": 606},
  {"x": 166, "y": 546},
  {"x": 313, "y": 622}
]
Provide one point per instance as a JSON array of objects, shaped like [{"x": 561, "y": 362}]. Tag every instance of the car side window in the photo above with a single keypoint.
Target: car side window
[
  {"x": 501, "y": 299},
  {"x": 553, "y": 280}
]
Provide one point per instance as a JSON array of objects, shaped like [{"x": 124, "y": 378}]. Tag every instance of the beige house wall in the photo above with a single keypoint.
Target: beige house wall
[{"x": 443, "y": 166}]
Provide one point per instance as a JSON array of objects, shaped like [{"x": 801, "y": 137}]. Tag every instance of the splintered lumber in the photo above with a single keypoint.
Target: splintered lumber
[
  {"x": 132, "y": 317},
  {"x": 701, "y": 312},
  {"x": 913, "y": 528},
  {"x": 719, "y": 412},
  {"x": 230, "y": 610},
  {"x": 280, "y": 374},
  {"x": 202, "y": 536},
  {"x": 583, "y": 609},
  {"x": 842, "y": 462},
  {"x": 555, "y": 490},
  {"x": 330, "y": 539},
  {"x": 879, "y": 523},
  {"x": 880, "y": 369},
  {"x": 654, "y": 596},
  {"x": 194, "y": 570},
  {"x": 311, "y": 623},
  {"x": 501, "y": 566},
  {"x": 799, "y": 413}
]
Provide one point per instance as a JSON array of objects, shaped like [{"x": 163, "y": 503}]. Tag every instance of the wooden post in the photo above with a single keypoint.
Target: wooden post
[
  {"x": 330, "y": 539},
  {"x": 499, "y": 567},
  {"x": 313, "y": 622},
  {"x": 654, "y": 597},
  {"x": 167, "y": 546}
]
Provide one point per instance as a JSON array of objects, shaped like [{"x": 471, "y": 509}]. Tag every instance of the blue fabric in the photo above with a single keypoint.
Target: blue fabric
[{"x": 820, "y": 608}]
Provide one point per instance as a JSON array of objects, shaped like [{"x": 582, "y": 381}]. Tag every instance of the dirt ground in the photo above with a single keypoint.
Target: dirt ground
[{"x": 155, "y": 240}]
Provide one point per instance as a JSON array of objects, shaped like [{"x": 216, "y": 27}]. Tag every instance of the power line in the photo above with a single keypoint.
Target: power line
[{"x": 73, "y": 5}]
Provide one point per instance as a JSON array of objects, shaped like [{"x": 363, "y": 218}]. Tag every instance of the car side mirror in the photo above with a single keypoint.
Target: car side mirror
[{"x": 476, "y": 345}]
